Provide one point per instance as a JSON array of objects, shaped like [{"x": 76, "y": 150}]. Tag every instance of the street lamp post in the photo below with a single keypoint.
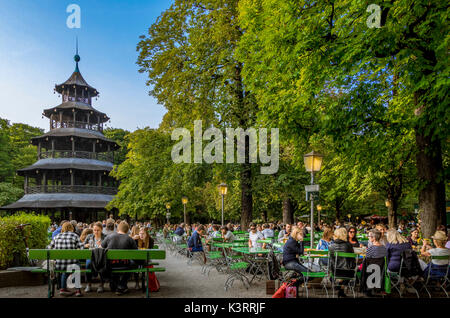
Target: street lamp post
[
  {"x": 313, "y": 163},
  {"x": 168, "y": 212},
  {"x": 223, "y": 190},
  {"x": 184, "y": 200}
]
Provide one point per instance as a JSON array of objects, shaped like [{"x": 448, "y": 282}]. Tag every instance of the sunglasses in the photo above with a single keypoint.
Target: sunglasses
[{"x": 351, "y": 232}]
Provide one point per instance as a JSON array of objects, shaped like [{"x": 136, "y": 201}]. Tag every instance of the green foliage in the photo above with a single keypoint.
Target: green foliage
[
  {"x": 9, "y": 193},
  {"x": 327, "y": 80},
  {"x": 118, "y": 135},
  {"x": 11, "y": 239},
  {"x": 16, "y": 152}
]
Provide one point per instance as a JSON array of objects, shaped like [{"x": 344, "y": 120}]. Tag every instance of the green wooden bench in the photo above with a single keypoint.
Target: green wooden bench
[{"x": 147, "y": 255}]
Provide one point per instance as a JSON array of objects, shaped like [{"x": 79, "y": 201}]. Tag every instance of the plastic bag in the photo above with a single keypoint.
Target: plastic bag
[{"x": 291, "y": 292}]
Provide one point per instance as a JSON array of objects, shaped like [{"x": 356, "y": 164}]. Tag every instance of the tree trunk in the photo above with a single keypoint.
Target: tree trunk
[
  {"x": 430, "y": 173},
  {"x": 288, "y": 211},
  {"x": 244, "y": 120},
  {"x": 264, "y": 216},
  {"x": 246, "y": 193},
  {"x": 338, "y": 205},
  {"x": 392, "y": 213},
  {"x": 432, "y": 191}
]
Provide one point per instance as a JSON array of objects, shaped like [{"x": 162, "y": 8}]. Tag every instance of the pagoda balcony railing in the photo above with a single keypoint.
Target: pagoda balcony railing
[
  {"x": 77, "y": 124},
  {"x": 70, "y": 189},
  {"x": 102, "y": 156}
]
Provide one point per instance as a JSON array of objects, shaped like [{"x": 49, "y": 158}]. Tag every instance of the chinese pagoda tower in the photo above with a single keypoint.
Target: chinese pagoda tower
[{"x": 71, "y": 175}]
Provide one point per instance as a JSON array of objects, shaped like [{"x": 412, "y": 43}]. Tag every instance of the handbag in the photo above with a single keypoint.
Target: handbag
[
  {"x": 152, "y": 281},
  {"x": 281, "y": 292},
  {"x": 387, "y": 280}
]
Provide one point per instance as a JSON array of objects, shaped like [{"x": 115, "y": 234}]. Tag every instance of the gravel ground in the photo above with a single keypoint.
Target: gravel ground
[{"x": 178, "y": 281}]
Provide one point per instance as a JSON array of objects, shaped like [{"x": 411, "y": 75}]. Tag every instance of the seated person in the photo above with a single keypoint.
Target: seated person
[
  {"x": 376, "y": 249},
  {"x": 92, "y": 241},
  {"x": 227, "y": 235},
  {"x": 352, "y": 237},
  {"x": 414, "y": 237},
  {"x": 344, "y": 265},
  {"x": 195, "y": 241},
  {"x": 292, "y": 250},
  {"x": 253, "y": 237},
  {"x": 324, "y": 243},
  {"x": 395, "y": 247},
  {"x": 180, "y": 230},
  {"x": 120, "y": 240},
  {"x": 144, "y": 241},
  {"x": 66, "y": 240},
  {"x": 437, "y": 267},
  {"x": 284, "y": 234},
  {"x": 215, "y": 232},
  {"x": 267, "y": 232}
]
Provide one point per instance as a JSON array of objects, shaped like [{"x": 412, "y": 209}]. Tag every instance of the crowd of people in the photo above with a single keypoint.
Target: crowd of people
[
  {"x": 109, "y": 234},
  {"x": 381, "y": 242}
]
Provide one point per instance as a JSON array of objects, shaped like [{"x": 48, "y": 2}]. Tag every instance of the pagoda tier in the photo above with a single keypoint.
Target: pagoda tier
[
  {"x": 74, "y": 157},
  {"x": 75, "y": 115}
]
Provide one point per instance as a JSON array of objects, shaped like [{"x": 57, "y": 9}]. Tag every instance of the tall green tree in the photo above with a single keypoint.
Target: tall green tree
[
  {"x": 298, "y": 54},
  {"x": 189, "y": 57}
]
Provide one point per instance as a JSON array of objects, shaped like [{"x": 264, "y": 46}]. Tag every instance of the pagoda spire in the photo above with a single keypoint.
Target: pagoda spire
[{"x": 77, "y": 57}]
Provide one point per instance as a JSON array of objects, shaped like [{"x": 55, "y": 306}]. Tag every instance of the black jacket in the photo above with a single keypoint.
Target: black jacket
[
  {"x": 291, "y": 249},
  {"x": 342, "y": 263},
  {"x": 372, "y": 277},
  {"x": 98, "y": 261}
]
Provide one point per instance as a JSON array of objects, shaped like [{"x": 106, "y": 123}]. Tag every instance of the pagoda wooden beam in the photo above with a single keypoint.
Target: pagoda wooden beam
[{"x": 44, "y": 182}]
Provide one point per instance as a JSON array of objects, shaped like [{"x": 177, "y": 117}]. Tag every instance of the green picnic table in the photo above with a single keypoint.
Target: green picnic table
[
  {"x": 253, "y": 250},
  {"x": 240, "y": 239},
  {"x": 267, "y": 241},
  {"x": 223, "y": 244},
  {"x": 278, "y": 245}
]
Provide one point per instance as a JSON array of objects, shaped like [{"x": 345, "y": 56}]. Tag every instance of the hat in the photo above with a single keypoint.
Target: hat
[{"x": 439, "y": 236}]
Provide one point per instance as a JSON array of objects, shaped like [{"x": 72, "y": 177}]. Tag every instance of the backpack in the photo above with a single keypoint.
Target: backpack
[{"x": 411, "y": 265}]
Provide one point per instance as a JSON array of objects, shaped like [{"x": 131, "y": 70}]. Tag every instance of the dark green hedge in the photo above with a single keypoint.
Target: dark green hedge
[{"x": 11, "y": 240}]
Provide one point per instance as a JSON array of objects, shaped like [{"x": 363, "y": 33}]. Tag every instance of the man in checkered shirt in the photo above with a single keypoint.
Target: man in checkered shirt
[{"x": 66, "y": 240}]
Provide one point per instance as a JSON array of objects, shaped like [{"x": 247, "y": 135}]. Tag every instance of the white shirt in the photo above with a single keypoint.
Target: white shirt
[
  {"x": 439, "y": 252},
  {"x": 229, "y": 236},
  {"x": 254, "y": 237}
]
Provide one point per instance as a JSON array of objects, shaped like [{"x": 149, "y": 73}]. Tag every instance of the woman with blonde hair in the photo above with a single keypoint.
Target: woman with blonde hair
[
  {"x": 340, "y": 244},
  {"x": 292, "y": 249},
  {"x": 395, "y": 247}
]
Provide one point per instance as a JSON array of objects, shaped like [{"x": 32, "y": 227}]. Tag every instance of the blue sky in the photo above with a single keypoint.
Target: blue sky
[{"x": 37, "y": 49}]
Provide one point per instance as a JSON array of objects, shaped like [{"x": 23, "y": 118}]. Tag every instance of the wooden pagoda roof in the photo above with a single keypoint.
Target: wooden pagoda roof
[
  {"x": 68, "y": 163},
  {"x": 60, "y": 200},
  {"x": 75, "y": 132},
  {"x": 75, "y": 105},
  {"x": 76, "y": 79}
]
